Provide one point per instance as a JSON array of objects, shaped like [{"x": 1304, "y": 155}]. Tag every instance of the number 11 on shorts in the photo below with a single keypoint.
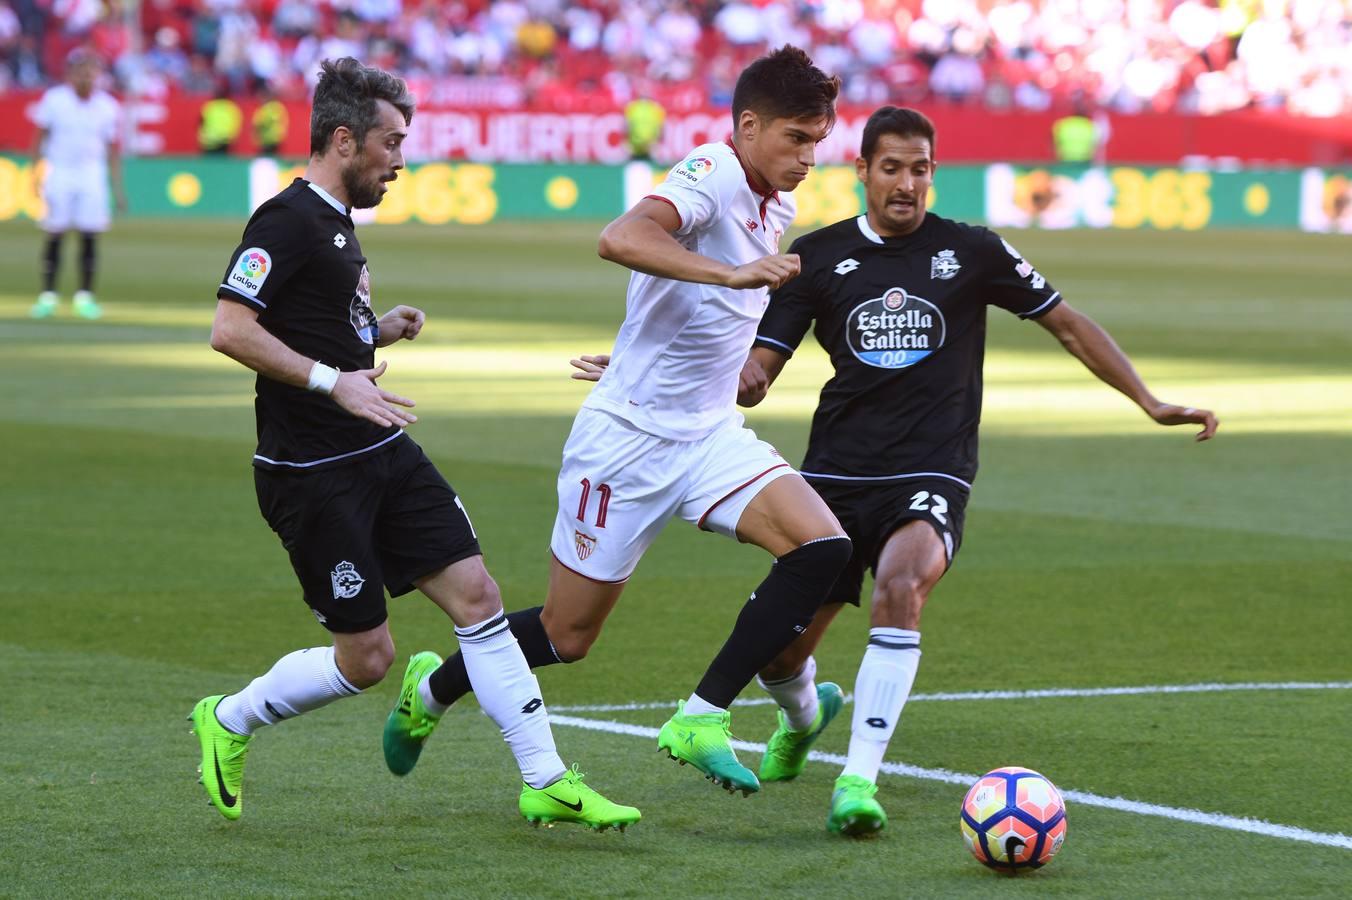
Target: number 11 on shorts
[{"x": 603, "y": 503}]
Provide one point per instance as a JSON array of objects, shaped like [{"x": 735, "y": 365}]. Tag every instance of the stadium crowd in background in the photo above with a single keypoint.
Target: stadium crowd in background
[{"x": 1193, "y": 56}]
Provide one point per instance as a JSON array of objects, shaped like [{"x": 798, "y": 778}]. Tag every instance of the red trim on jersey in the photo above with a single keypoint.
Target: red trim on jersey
[
  {"x": 588, "y": 577},
  {"x": 668, "y": 203},
  {"x": 753, "y": 181},
  {"x": 725, "y": 497}
]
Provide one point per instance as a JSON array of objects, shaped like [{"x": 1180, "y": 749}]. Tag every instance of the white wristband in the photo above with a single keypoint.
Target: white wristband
[{"x": 322, "y": 378}]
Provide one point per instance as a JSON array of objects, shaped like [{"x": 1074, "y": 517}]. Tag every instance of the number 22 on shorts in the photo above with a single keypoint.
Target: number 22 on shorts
[{"x": 934, "y": 504}]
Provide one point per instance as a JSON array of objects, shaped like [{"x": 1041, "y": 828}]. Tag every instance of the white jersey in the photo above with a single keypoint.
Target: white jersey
[
  {"x": 674, "y": 369},
  {"x": 78, "y": 131}
]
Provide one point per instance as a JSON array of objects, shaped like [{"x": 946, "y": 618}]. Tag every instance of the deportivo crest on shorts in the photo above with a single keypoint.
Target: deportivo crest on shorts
[
  {"x": 584, "y": 544},
  {"x": 944, "y": 265},
  {"x": 347, "y": 581}
]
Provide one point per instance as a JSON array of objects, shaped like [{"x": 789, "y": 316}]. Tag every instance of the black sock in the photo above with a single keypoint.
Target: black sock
[
  {"x": 51, "y": 261},
  {"x": 778, "y": 611},
  {"x": 451, "y": 682},
  {"x": 88, "y": 258}
]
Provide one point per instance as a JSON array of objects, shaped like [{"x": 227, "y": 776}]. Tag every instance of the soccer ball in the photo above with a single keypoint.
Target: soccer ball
[{"x": 1013, "y": 819}]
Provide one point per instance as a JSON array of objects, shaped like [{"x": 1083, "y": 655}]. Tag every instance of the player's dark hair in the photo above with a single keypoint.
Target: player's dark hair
[
  {"x": 786, "y": 85},
  {"x": 346, "y": 95},
  {"x": 898, "y": 120}
]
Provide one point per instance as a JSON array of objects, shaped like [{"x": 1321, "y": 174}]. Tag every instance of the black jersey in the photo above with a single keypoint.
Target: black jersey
[
  {"x": 300, "y": 265},
  {"x": 904, "y": 320}
]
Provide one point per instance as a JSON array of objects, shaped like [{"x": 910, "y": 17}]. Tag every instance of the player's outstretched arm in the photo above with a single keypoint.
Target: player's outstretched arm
[
  {"x": 236, "y": 333},
  {"x": 403, "y": 323},
  {"x": 760, "y": 370},
  {"x": 1086, "y": 340},
  {"x": 642, "y": 240}
]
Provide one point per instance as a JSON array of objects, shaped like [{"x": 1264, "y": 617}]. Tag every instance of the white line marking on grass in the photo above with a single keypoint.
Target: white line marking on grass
[
  {"x": 1201, "y": 688},
  {"x": 1194, "y": 816}
]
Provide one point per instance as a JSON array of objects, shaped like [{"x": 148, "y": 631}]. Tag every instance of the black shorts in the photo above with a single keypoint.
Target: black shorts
[
  {"x": 384, "y": 520},
  {"x": 872, "y": 511}
]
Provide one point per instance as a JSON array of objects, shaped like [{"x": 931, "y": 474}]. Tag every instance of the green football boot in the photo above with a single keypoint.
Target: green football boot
[
  {"x": 409, "y": 724},
  {"x": 85, "y": 306},
  {"x": 46, "y": 305},
  {"x": 854, "y": 812},
  {"x": 786, "y": 753},
  {"x": 223, "y": 753},
  {"x": 704, "y": 742},
  {"x": 569, "y": 800}
]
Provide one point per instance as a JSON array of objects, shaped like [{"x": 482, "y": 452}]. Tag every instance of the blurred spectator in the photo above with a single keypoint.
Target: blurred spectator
[
  {"x": 270, "y": 123},
  {"x": 222, "y": 121},
  {"x": 1195, "y": 56},
  {"x": 644, "y": 120},
  {"x": 1075, "y": 137}
]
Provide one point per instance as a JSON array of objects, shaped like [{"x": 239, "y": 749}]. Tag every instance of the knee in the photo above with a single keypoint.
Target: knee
[
  {"x": 571, "y": 645},
  {"x": 898, "y": 600},
  {"x": 570, "y": 641},
  {"x": 366, "y": 666},
  {"x": 821, "y": 559},
  {"x": 480, "y": 598}
]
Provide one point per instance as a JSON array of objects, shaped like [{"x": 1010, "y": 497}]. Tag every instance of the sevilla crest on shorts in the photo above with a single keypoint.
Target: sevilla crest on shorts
[{"x": 584, "y": 543}]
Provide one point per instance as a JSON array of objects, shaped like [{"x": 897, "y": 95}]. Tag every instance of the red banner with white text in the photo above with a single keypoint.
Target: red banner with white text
[{"x": 965, "y": 134}]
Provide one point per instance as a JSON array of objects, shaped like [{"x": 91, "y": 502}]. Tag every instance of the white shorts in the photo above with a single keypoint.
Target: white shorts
[
  {"x": 75, "y": 198},
  {"x": 619, "y": 486}
]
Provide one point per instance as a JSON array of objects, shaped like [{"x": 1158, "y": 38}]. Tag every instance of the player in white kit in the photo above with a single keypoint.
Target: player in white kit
[
  {"x": 660, "y": 435},
  {"x": 77, "y": 136}
]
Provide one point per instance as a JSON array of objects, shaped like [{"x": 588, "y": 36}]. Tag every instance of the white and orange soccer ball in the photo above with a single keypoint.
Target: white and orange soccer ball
[{"x": 1013, "y": 819}]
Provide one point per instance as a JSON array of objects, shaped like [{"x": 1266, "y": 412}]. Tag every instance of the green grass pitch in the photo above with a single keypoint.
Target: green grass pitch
[{"x": 1101, "y": 551}]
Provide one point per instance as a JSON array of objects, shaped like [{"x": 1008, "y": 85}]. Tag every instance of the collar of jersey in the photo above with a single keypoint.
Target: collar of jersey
[
  {"x": 328, "y": 198},
  {"x": 766, "y": 193},
  {"x": 867, "y": 230}
]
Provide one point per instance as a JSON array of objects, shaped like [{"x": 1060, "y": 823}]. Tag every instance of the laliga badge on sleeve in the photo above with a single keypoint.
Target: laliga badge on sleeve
[{"x": 250, "y": 271}]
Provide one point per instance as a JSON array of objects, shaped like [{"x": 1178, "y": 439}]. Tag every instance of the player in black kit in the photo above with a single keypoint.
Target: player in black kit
[
  {"x": 899, "y": 299},
  {"x": 358, "y": 506}
]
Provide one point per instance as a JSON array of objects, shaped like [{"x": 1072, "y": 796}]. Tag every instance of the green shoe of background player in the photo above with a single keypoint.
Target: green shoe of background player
[
  {"x": 704, "y": 741},
  {"x": 85, "y": 306},
  {"x": 569, "y": 800},
  {"x": 854, "y": 812},
  {"x": 223, "y": 754},
  {"x": 410, "y": 724},
  {"x": 46, "y": 305},
  {"x": 786, "y": 754}
]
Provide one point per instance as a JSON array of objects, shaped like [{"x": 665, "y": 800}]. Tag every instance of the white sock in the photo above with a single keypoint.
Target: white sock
[
  {"x": 296, "y": 683},
  {"x": 430, "y": 703},
  {"x": 880, "y": 691},
  {"x": 698, "y": 706},
  {"x": 510, "y": 694},
  {"x": 796, "y": 695}
]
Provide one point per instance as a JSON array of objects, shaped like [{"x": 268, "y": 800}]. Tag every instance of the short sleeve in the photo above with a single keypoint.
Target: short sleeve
[
  {"x": 1012, "y": 282},
  {"x": 700, "y": 187},
  {"x": 42, "y": 112},
  {"x": 274, "y": 248},
  {"x": 789, "y": 314}
]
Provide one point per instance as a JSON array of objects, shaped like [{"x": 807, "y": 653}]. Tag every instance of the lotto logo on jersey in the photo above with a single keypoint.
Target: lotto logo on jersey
[
  {"x": 250, "y": 271},
  {"x": 896, "y": 330},
  {"x": 694, "y": 169}
]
